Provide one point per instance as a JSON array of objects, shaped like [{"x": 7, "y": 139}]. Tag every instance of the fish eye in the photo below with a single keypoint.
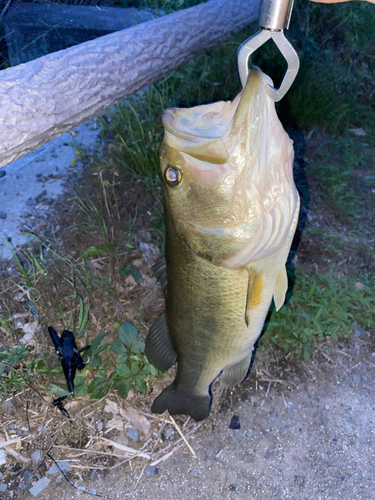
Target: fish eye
[{"x": 172, "y": 176}]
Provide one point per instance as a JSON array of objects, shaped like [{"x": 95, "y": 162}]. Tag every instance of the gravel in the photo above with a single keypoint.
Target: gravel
[
  {"x": 151, "y": 470},
  {"x": 39, "y": 486}
]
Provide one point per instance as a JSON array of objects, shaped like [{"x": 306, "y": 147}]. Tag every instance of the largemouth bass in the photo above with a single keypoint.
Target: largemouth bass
[{"x": 231, "y": 209}]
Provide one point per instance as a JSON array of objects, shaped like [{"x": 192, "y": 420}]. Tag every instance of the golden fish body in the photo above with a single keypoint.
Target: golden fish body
[{"x": 231, "y": 209}]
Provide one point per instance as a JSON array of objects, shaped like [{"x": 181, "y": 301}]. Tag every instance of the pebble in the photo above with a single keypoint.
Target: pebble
[
  {"x": 169, "y": 432},
  {"x": 12, "y": 427},
  {"x": 235, "y": 423},
  {"x": 63, "y": 466},
  {"x": 30, "y": 203},
  {"x": 290, "y": 410},
  {"x": 93, "y": 491},
  {"x": 3, "y": 487},
  {"x": 39, "y": 486},
  {"x": 27, "y": 475},
  {"x": 356, "y": 378},
  {"x": 285, "y": 429},
  {"x": 151, "y": 470},
  {"x": 100, "y": 426},
  {"x": 133, "y": 434},
  {"x": 3, "y": 457},
  {"x": 19, "y": 432},
  {"x": 9, "y": 406},
  {"x": 3, "y": 215},
  {"x": 36, "y": 457}
]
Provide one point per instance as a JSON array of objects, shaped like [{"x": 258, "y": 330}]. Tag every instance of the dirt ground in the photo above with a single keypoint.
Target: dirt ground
[
  {"x": 308, "y": 436},
  {"x": 306, "y": 433}
]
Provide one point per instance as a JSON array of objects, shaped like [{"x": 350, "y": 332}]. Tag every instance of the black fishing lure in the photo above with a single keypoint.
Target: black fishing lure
[{"x": 70, "y": 357}]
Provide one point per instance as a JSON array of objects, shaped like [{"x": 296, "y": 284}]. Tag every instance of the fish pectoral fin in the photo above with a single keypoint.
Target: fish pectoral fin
[
  {"x": 254, "y": 292},
  {"x": 159, "y": 350},
  {"x": 233, "y": 375},
  {"x": 160, "y": 273},
  {"x": 281, "y": 287}
]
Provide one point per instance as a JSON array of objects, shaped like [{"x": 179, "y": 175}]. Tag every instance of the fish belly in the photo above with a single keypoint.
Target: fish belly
[{"x": 205, "y": 313}]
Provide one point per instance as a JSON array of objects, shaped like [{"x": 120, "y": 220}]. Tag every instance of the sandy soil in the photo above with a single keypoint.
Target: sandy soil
[{"x": 310, "y": 436}]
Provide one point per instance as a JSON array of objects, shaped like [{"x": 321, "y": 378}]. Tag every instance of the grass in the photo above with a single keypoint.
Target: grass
[{"x": 89, "y": 279}]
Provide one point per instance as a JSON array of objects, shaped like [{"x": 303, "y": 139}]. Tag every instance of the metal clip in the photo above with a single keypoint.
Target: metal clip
[{"x": 274, "y": 18}]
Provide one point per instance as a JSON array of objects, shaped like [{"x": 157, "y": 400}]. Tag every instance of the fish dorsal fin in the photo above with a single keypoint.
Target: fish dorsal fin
[
  {"x": 233, "y": 375},
  {"x": 160, "y": 273},
  {"x": 254, "y": 292},
  {"x": 159, "y": 350},
  {"x": 281, "y": 287}
]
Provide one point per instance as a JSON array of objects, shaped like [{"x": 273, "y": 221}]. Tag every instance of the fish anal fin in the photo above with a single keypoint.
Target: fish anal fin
[
  {"x": 254, "y": 292},
  {"x": 182, "y": 403},
  {"x": 159, "y": 350},
  {"x": 160, "y": 273},
  {"x": 233, "y": 375},
  {"x": 281, "y": 287}
]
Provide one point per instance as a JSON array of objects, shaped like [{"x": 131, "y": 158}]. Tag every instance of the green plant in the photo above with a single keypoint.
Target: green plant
[
  {"x": 129, "y": 370},
  {"x": 317, "y": 306}
]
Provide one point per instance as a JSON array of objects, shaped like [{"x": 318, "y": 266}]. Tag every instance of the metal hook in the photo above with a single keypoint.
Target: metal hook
[{"x": 274, "y": 18}]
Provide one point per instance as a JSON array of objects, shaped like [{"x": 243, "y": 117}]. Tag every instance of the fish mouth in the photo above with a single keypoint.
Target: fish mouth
[{"x": 208, "y": 132}]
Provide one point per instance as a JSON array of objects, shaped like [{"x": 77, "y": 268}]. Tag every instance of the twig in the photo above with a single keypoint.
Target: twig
[
  {"x": 167, "y": 455},
  {"x": 17, "y": 455},
  {"x": 179, "y": 440},
  {"x": 268, "y": 388},
  {"x": 325, "y": 355},
  {"x": 183, "y": 437},
  {"x": 136, "y": 453}
]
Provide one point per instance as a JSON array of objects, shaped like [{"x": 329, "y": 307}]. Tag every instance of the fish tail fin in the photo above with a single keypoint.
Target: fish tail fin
[{"x": 182, "y": 403}]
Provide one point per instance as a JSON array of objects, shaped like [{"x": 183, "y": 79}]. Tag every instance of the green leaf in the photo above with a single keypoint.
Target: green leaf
[
  {"x": 128, "y": 333},
  {"x": 123, "y": 388},
  {"x": 79, "y": 380},
  {"x": 118, "y": 347},
  {"x": 136, "y": 273},
  {"x": 138, "y": 346},
  {"x": 97, "y": 250},
  {"x": 154, "y": 371},
  {"x": 121, "y": 358},
  {"x": 102, "y": 347},
  {"x": 59, "y": 391},
  {"x": 101, "y": 374},
  {"x": 141, "y": 385},
  {"x": 134, "y": 368},
  {"x": 123, "y": 371},
  {"x": 81, "y": 390},
  {"x": 95, "y": 361},
  {"x": 96, "y": 342},
  {"x": 96, "y": 383},
  {"x": 100, "y": 393}
]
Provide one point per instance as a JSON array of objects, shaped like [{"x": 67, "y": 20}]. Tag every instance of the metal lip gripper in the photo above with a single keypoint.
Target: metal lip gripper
[{"x": 274, "y": 17}]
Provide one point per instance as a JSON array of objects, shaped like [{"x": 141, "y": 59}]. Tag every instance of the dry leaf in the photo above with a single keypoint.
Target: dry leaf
[
  {"x": 130, "y": 414},
  {"x": 359, "y": 285}
]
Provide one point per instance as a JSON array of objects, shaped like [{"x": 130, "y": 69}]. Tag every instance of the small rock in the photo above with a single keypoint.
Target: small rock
[
  {"x": 3, "y": 215},
  {"x": 100, "y": 426},
  {"x": 30, "y": 203},
  {"x": 39, "y": 486},
  {"x": 36, "y": 457},
  {"x": 19, "y": 432},
  {"x": 27, "y": 475},
  {"x": 364, "y": 378},
  {"x": 12, "y": 427},
  {"x": 63, "y": 466},
  {"x": 151, "y": 470},
  {"x": 133, "y": 434},
  {"x": 26, "y": 213},
  {"x": 93, "y": 491},
  {"x": 285, "y": 429},
  {"x": 169, "y": 432},
  {"x": 235, "y": 423},
  {"x": 3, "y": 457},
  {"x": 290, "y": 410},
  {"x": 9, "y": 406},
  {"x": 3, "y": 487},
  {"x": 327, "y": 407},
  {"x": 356, "y": 378}
]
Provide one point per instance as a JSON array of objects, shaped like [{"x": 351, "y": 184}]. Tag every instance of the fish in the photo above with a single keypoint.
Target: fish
[{"x": 231, "y": 210}]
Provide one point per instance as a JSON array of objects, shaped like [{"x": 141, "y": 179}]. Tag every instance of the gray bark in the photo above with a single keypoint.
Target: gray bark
[{"x": 44, "y": 98}]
